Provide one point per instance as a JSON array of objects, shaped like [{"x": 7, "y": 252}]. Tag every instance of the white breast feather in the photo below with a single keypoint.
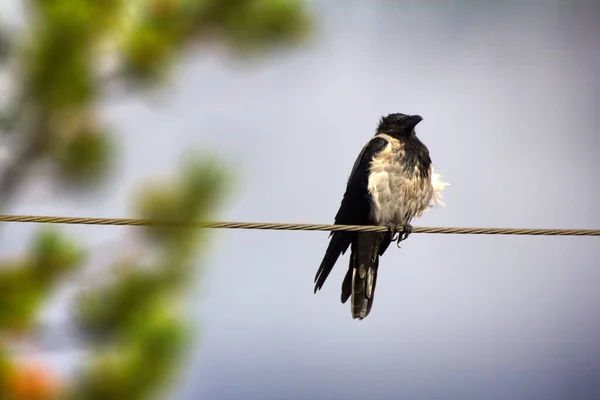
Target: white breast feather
[
  {"x": 438, "y": 186},
  {"x": 394, "y": 196}
]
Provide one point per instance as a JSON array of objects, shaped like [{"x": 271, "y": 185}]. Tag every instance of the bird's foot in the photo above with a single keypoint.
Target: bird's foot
[
  {"x": 407, "y": 229},
  {"x": 393, "y": 231},
  {"x": 399, "y": 233},
  {"x": 403, "y": 232}
]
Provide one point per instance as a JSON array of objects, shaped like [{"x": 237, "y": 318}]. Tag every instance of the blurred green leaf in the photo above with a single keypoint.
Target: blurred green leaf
[
  {"x": 192, "y": 197},
  {"x": 5, "y": 369},
  {"x": 148, "y": 51},
  {"x": 59, "y": 56},
  {"x": 20, "y": 296},
  {"x": 141, "y": 362},
  {"x": 252, "y": 24},
  {"x": 112, "y": 309},
  {"x": 5, "y": 44},
  {"x": 82, "y": 158},
  {"x": 53, "y": 254},
  {"x": 25, "y": 283}
]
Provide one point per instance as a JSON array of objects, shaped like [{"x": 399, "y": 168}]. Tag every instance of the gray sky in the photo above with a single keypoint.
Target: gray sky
[{"x": 509, "y": 97}]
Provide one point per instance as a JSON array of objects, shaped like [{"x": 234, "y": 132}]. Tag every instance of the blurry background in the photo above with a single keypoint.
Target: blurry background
[{"x": 509, "y": 96}]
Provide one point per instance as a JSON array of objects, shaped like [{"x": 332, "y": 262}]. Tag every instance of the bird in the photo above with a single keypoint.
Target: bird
[{"x": 392, "y": 181}]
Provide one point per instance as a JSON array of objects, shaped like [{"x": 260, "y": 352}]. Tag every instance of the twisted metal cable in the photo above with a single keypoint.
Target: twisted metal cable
[{"x": 290, "y": 227}]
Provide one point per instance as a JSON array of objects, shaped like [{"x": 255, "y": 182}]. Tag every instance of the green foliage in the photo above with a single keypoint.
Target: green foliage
[
  {"x": 82, "y": 158},
  {"x": 141, "y": 362},
  {"x": 251, "y": 24},
  {"x": 131, "y": 310},
  {"x": 153, "y": 42},
  {"x": 53, "y": 255},
  {"x": 20, "y": 296},
  {"x": 149, "y": 48},
  {"x": 5, "y": 44},
  {"x": 132, "y": 320},
  {"x": 59, "y": 56},
  {"x": 190, "y": 198},
  {"x": 4, "y": 370},
  {"x": 115, "y": 308},
  {"x": 25, "y": 283}
]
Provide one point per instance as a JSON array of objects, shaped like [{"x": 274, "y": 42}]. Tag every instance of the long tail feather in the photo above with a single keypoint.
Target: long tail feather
[
  {"x": 363, "y": 272},
  {"x": 337, "y": 245}
]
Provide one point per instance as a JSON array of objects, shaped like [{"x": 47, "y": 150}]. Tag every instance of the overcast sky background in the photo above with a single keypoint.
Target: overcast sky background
[{"x": 509, "y": 96}]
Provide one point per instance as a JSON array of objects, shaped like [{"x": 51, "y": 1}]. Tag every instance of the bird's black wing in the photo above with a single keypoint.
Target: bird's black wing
[{"x": 354, "y": 210}]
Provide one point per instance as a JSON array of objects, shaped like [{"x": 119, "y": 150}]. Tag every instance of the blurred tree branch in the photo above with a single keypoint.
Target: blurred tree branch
[
  {"x": 73, "y": 49},
  {"x": 59, "y": 66}
]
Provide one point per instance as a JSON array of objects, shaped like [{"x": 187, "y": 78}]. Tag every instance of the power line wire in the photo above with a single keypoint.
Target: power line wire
[{"x": 289, "y": 227}]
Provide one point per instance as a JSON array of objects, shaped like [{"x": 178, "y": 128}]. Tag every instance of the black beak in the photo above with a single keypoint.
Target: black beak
[{"x": 413, "y": 120}]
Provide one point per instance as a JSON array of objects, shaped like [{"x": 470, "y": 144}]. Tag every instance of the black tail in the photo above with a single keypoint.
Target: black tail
[
  {"x": 337, "y": 245},
  {"x": 361, "y": 278}
]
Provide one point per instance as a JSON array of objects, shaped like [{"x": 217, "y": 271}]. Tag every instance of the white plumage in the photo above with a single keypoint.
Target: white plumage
[{"x": 398, "y": 196}]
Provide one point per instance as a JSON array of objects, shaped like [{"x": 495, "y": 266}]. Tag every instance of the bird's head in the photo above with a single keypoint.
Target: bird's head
[{"x": 398, "y": 124}]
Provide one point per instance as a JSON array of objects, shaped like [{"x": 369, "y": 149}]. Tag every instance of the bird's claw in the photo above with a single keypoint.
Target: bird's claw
[
  {"x": 406, "y": 231},
  {"x": 393, "y": 232},
  {"x": 399, "y": 233}
]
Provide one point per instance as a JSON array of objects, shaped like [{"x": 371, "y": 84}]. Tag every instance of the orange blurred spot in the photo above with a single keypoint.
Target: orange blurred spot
[{"x": 32, "y": 382}]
